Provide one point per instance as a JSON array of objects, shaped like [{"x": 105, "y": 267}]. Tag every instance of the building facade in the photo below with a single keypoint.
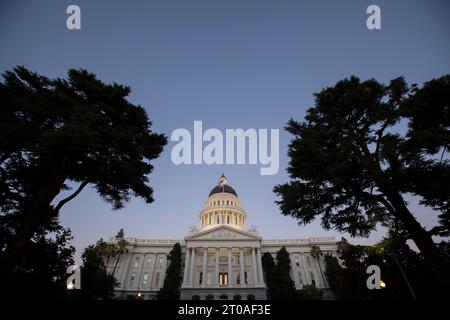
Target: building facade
[{"x": 222, "y": 258}]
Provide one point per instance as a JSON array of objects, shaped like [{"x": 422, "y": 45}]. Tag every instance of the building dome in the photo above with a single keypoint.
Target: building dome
[
  {"x": 222, "y": 189},
  {"x": 222, "y": 207}
]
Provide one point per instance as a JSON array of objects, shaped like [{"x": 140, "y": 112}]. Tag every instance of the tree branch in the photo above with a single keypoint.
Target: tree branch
[
  {"x": 438, "y": 231},
  {"x": 73, "y": 195},
  {"x": 380, "y": 198},
  {"x": 379, "y": 136},
  {"x": 443, "y": 152}
]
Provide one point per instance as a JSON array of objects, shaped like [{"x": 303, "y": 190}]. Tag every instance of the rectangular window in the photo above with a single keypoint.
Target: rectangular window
[
  {"x": 297, "y": 261},
  {"x": 145, "y": 279},
  {"x": 149, "y": 260},
  {"x": 157, "y": 280},
  {"x": 133, "y": 277},
  {"x": 136, "y": 262},
  {"x": 238, "y": 278},
  {"x": 160, "y": 262},
  {"x": 223, "y": 279},
  {"x": 200, "y": 278},
  {"x": 308, "y": 261}
]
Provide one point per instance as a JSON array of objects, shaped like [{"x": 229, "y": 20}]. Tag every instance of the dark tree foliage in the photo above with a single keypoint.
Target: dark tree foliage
[
  {"x": 172, "y": 281},
  {"x": 428, "y": 112},
  {"x": 280, "y": 284},
  {"x": 59, "y": 133},
  {"x": 40, "y": 273},
  {"x": 350, "y": 167},
  {"x": 96, "y": 282},
  {"x": 402, "y": 269},
  {"x": 268, "y": 265},
  {"x": 309, "y": 292}
]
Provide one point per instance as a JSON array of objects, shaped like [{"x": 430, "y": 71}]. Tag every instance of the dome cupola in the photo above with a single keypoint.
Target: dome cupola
[{"x": 222, "y": 207}]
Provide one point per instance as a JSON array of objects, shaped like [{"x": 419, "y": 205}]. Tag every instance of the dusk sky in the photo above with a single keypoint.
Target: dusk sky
[{"x": 231, "y": 64}]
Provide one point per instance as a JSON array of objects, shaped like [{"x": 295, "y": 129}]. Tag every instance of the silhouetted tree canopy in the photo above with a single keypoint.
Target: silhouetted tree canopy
[
  {"x": 40, "y": 272},
  {"x": 351, "y": 166},
  {"x": 278, "y": 278},
  {"x": 172, "y": 281},
  {"x": 96, "y": 282},
  {"x": 396, "y": 261},
  {"x": 57, "y": 133}
]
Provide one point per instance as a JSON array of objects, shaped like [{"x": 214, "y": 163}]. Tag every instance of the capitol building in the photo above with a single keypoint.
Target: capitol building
[{"x": 222, "y": 258}]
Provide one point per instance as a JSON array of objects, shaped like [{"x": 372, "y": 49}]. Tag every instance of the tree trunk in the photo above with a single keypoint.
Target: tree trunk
[
  {"x": 422, "y": 239},
  {"x": 31, "y": 221}
]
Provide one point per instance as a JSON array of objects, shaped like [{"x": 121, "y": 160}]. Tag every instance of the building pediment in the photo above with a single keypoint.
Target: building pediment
[{"x": 223, "y": 233}]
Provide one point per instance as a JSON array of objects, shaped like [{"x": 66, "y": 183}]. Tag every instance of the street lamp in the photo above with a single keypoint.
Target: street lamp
[{"x": 382, "y": 284}]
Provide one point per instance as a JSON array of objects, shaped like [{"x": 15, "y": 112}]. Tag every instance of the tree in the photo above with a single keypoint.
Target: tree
[
  {"x": 279, "y": 281},
  {"x": 268, "y": 265},
  {"x": 428, "y": 112},
  {"x": 349, "y": 167},
  {"x": 172, "y": 281},
  {"x": 57, "y": 133},
  {"x": 316, "y": 253},
  {"x": 333, "y": 272},
  {"x": 309, "y": 292},
  {"x": 96, "y": 282},
  {"x": 348, "y": 282},
  {"x": 42, "y": 267},
  {"x": 119, "y": 249},
  {"x": 402, "y": 269}
]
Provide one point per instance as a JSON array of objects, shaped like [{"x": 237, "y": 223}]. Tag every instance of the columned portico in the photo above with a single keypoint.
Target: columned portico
[{"x": 222, "y": 259}]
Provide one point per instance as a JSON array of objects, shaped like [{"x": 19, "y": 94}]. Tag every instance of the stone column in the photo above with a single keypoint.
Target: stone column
[
  {"x": 139, "y": 271},
  {"x": 187, "y": 264},
  {"x": 191, "y": 272},
  {"x": 205, "y": 261},
  {"x": 153, "y": 270},
  {"x": 124, "y": 270},
  {"x": 255, "y": 273},
  {"x": 241, "y": 262},
  {"x": 259, "y": 266},
  {"x": 216, "y": 281},
  {"x": 230, "y": 276}
]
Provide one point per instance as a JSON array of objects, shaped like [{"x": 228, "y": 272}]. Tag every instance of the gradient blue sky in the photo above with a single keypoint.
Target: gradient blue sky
[{"x": 231, "y": 64}]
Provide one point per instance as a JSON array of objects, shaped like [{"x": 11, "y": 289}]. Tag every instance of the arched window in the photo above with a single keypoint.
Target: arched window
[{"x": 228, "y": 219}]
